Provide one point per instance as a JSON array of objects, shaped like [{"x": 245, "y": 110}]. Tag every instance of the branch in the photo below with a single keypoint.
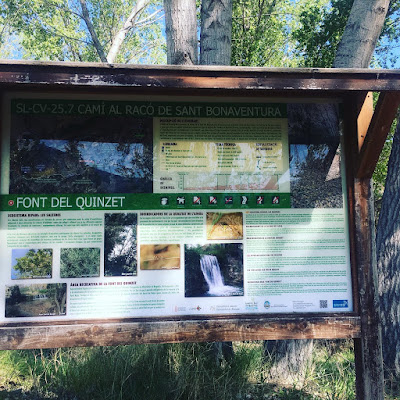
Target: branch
[
  {"x": 96, "y": 41},
  {"x": 128, "y": 25},
  {"x": 142, "y": 51},
  {"x": 151, "y": 18},
  {"x": 142, "y": 23}
]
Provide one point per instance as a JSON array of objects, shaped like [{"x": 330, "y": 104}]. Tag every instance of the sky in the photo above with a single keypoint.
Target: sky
[
  {"x": 16, "y": 253},
  {"x": 13, "y": 50}
]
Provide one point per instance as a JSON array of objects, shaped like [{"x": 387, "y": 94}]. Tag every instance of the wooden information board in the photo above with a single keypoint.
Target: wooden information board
[{"x": 161, "y": 204}]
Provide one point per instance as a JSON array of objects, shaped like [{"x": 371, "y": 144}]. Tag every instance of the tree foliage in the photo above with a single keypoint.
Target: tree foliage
[
  {"x": 319, "y": 30},
  {"x": 261, "y": 33},
  {"x": 36, "y": 263},
  {"x": 320, "y": 26},
  {"x": 58, "y": 30},
  {"x": 79, "y": 262},
  {"x": 389, "y": 43},
  {"x": 120, "y": 244}
]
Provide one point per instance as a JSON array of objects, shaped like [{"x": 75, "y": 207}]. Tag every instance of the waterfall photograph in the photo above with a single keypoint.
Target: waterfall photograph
[{"x": 214, "y": 270}]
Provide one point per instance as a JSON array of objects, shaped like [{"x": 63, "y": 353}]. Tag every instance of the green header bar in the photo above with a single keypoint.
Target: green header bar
[
  {"x": 148, "y": 108},
  {"x": 143, "y": 201}
]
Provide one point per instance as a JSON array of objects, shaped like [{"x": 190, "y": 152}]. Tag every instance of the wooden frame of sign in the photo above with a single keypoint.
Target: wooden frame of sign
[{"x": 365, "y": 133}]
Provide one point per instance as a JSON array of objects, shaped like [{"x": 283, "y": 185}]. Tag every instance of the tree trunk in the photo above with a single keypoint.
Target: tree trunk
[
  {"x": 292, "y": 357},
  {"x": 289, "y": 360},
  {"x": 182, "y": 48},
  {"x": 388, "y": 253},
  {"x": 361, "y": 33},
  {"x": 181, "y": 32},
  {"x": 355, "y": 51},
  {"x": 95, "y": 39},
  {"x": 216, "y": 32}
]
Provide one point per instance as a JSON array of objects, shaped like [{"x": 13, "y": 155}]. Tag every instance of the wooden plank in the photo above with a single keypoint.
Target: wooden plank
[
  {"x": 199, "y": 77},
  {"x": 364, "y": 118},
  {"x": 384, "y": 114},
  {"x": 23, "y": 65},
  {"x": 105, "y": 333}
]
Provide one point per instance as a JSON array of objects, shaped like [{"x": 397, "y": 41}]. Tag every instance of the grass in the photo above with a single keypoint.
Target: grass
[{"x": 169, "y": 372}]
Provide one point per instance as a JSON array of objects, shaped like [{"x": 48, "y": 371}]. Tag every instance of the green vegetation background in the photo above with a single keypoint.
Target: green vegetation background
[{"x": 171, "y": 372}]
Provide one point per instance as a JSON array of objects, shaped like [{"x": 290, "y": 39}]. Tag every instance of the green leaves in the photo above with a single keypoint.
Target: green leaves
[
  {"x": 319, "y": 30},
  {"x": 260, "y": 33},
  {"x": 36, "y": 263},
  {"x": 80, "y": 262},
  {"x": 56, "y": 30}
]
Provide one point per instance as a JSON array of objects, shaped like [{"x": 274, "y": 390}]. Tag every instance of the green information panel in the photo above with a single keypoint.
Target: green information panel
[{"x": 148, "y": 207}]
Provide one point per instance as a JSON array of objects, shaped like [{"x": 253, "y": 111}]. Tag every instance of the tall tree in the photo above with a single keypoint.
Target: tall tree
[
  {"x": 87, "y": 30},
  {"x": 361, "y": 34},
  {"x": 355, "y": 50},
  {"x": 215, "y": 48}
]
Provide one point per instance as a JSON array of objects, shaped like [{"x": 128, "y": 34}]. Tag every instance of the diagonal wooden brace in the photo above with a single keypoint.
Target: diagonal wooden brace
[{"x": 372, "y": 143}]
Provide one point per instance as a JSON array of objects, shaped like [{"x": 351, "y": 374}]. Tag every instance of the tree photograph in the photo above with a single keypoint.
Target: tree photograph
[
  {"x": 31, "y": 263},
  {"x": 79, "y": 262},
  {"x": 120, "y": 244}
]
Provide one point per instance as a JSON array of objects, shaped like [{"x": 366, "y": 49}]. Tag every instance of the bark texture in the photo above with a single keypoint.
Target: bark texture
[
  {"x": 289, "y": 360},
  {"x": 216, "y": 32},
  {"x": 388, "y": 253},
  {"x": 361, "y": 33},
  {"x": 181, "y": 32},
  {"x": 368, "y": 349}
]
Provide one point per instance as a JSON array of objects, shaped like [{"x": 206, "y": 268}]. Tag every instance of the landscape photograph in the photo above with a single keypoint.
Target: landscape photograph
[
  {"x": 80, "y": 154},
  {"x": 36, "y": 300}
]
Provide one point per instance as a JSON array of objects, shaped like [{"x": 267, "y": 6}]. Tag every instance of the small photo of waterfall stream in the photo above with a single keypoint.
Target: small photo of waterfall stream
[{"x": 214, "y": 270}]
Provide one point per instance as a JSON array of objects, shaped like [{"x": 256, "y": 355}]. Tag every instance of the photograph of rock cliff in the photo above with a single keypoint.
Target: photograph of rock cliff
[{"x": 80, "y": 154}]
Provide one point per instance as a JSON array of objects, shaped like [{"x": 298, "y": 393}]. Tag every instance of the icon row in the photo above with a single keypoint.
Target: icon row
[{"x": 212, "y": 200}]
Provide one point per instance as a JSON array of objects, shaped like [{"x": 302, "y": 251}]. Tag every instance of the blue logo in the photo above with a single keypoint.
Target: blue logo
[{"x": 340, "y": 303}]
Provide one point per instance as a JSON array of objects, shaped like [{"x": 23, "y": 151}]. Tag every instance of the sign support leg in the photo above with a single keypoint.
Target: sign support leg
[{"x": 368, "y": 349}]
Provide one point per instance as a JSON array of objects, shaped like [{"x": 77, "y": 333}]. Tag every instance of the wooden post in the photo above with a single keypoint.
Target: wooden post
[
  {"x": 368, "y": 348},
  {"x": 370, "y": 381}
]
